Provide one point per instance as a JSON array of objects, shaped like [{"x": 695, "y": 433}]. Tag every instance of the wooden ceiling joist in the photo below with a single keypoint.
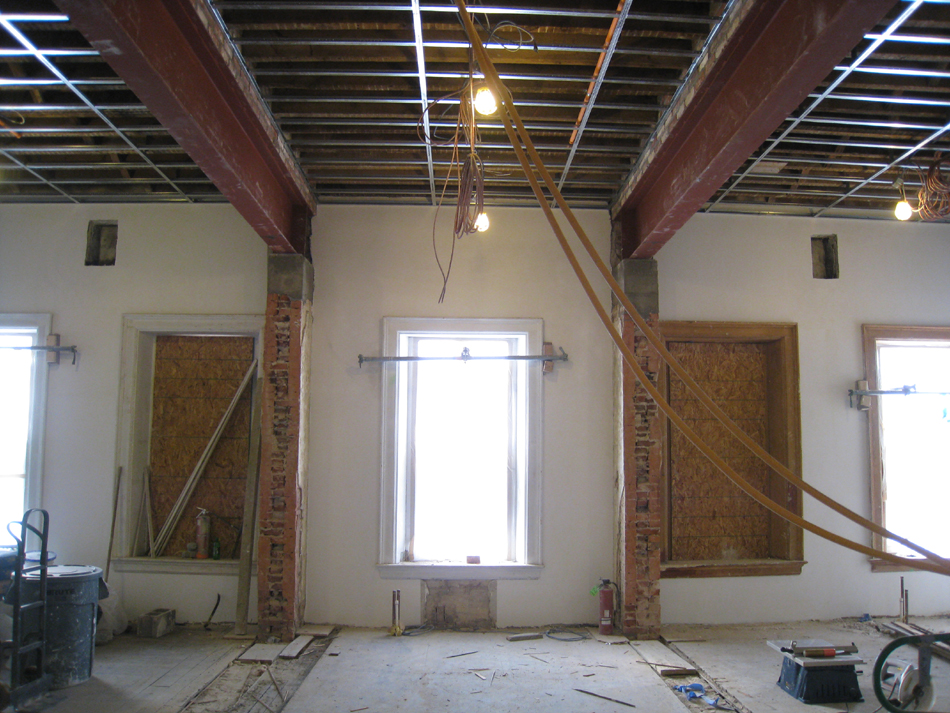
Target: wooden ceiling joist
[
  {"x": 179, "y": 61},
  {"x": 768, "y": 62}
]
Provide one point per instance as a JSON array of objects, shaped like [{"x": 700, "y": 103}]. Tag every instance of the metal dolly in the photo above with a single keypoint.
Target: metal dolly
[{"x": 28, "y": 677}]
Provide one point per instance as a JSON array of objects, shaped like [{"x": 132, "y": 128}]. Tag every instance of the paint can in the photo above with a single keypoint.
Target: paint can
[{"x": 72, "y": 599}]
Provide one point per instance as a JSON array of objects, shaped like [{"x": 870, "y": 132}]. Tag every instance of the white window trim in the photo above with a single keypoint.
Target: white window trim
[
  {"x": 42, "y": 323},
  {"x": 390, "y": 566},
  {"x": 135, "y": 409},
  {"x": 874, "y": 336}
]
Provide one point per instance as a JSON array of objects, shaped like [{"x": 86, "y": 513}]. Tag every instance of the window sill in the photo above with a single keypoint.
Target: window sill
[
  {"x": 175, "y": 565},
  {"x": 879, "y": 565},
  {"x": 731, "y": 568},
  {"x": 422, "y": 570}
]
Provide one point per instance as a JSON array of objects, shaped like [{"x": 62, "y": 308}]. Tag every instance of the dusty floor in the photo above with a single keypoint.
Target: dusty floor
[
  {"x": 737, "y": 658},
  {"x": 366, "y": 671}
]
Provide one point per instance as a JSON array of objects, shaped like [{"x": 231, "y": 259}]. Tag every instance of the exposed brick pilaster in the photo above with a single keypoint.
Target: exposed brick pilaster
[
  {"x": 640, "y": 454},
  {"x": 280, "y": 573},
  {"x": 640, "y": 508}
]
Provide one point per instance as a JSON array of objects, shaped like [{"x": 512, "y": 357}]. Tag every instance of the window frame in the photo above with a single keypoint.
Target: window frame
[
  {"x": 784, "y": 444},
  {"x": 139, "y": 332},
  {"x": 36, "y": 437},
  {"x": 395, "y": 503},
  {"x": 871, "y": 335}
]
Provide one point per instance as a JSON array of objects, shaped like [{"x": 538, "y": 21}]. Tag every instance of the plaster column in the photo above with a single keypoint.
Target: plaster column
[
  {"x": 284, "y": 429},
  {"x": 639, "y": 460}
]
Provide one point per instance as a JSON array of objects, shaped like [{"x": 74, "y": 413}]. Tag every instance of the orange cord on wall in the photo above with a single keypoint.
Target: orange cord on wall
[{"x": 510, "y": 117}]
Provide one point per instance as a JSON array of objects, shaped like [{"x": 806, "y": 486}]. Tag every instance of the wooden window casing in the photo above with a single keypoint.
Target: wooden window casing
[
  {"x": 782, "y": 438},
  {"x": 872, "y": 333}
]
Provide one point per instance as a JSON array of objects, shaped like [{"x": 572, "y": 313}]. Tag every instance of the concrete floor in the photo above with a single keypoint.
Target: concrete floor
[{"x": 364, "y": 670}]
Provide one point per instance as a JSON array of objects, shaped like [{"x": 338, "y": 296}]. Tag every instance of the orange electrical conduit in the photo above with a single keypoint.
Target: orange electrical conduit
[{"x": 510, "y": 114}]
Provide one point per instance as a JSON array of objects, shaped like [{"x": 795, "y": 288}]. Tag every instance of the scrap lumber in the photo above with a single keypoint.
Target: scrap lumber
[
  {"x": 261, "y": 653},
  {"x": 319, "y": 631},
  {"x": 250, "y": 511},
  {"x": 296, "y": 647},
  {"x": 898, "y": 628}
]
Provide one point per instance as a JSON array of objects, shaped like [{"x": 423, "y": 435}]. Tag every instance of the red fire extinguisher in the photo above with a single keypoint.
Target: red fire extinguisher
[{"x": 606, "y": 591}]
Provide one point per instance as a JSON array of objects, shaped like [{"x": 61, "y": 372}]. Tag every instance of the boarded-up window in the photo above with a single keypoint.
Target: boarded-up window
[
  {"x": 751, "y": 372},
  {"x": 711, "y": 519},
  {"x": 195, "y": 378}
]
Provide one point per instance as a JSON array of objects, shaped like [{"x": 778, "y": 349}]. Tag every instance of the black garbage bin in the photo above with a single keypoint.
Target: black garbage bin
[{"x": 72, "y": 595}]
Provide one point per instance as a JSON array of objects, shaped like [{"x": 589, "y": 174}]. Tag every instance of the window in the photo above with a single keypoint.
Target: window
[
  {"x": 23, "y": 376},
  {"x": 710, "y": 527},
  {"x": 909, "y": 436},
  {"x": 461, "y": 449}
]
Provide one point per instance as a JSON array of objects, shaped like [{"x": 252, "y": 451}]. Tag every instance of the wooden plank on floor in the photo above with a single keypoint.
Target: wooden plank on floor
[
  {"x": 319, "y": 631},
  {"x": 296, "y": 647},
  {"x": 657, "y": 652},
  {"x": 261, "y": 653}
]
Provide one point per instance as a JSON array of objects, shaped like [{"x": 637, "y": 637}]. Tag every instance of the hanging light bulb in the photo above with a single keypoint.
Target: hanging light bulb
[
  {"x": 485, "y": 103},
  {"x": 481, "y": 222},
  {"x": 903, "y": 211}
]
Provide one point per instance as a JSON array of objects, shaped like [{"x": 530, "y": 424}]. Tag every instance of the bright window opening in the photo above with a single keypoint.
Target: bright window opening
[
  {"x": 465, "y": 425},
  {"x": 460, "y": 458},
  {"x": 915, "y": 444},
  {"x": 22, "y": 396}
]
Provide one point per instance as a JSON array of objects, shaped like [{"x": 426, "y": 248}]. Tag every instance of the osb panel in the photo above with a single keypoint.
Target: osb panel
[
  {"x": 711, "y": 519},
  {"x": 195, "y": 380},
  {"x": 720, "y": 548}
]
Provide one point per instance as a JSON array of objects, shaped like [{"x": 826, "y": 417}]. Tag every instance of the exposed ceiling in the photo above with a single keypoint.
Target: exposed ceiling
[{"x": 343, "y": 82}]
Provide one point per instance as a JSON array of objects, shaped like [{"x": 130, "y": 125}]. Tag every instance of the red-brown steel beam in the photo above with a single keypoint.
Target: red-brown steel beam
[
  {"x": 767, "y": 65},
  {"x": 181, "y": 64}
]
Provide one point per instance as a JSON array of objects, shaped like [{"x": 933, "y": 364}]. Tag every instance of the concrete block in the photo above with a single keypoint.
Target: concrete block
[
  {"x": 155, "y": 623},
  {"x": 640, "y": 282},
  {"x": 290, "y": 275}
]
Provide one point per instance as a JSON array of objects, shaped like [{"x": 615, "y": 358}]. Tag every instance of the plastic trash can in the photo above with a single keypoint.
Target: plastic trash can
[{"x": 72, "y": 596}]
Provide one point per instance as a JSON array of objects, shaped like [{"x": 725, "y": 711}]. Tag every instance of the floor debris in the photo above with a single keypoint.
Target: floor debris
[
  {"x": 525, "y": 637},
  {"x": 467, "y": 653},
  {"x": 606, "y": 698}
]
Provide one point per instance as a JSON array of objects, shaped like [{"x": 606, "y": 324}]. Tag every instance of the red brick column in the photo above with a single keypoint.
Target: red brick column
[
  {"x": 280, "y": 555},
  {"x": 640, "y": 517}
]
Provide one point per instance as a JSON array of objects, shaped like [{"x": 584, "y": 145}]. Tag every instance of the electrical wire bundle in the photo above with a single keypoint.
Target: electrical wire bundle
[
  {"x": 933, "y": 198},
  {"x": 469, "y": 172}
]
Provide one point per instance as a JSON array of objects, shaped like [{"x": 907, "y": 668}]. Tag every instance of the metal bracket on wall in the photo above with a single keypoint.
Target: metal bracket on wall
[
  {"x": 549, "y": 357},
  {"x": 863, "y": 394},
  {"x": 52, "y": 349}
]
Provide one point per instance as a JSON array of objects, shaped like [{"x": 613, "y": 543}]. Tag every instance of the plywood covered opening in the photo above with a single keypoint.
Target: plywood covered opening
[
  {"x": 195, "y": 378},
  {"x": 710, "y": 527}
]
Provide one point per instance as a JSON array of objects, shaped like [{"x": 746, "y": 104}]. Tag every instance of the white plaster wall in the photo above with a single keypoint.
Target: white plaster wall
[
  {"x": 170, "y": 259},
  {"x": 759, "y": 269},
  {"x": 374, "y": 262}
]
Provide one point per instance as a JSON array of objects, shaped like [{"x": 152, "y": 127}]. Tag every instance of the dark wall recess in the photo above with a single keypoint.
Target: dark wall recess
[
  {"x": 824, "y": 257},
  {"x": 101, "y": 239}
]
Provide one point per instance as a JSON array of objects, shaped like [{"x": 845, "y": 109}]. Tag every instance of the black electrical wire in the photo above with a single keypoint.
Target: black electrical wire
[{"x": 560, "y": 633}]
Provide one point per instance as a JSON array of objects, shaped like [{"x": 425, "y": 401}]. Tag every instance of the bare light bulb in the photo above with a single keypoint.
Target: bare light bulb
[
  {"x": 481, "y": 222},
  {"x": 903, "y": 211},
  {"x": 485, "y": 101}
]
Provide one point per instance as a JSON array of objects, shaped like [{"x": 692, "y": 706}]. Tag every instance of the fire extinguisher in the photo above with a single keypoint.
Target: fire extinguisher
[
  {"x": 606, "y": 596},
  {"x": 204, "y": 533}
]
